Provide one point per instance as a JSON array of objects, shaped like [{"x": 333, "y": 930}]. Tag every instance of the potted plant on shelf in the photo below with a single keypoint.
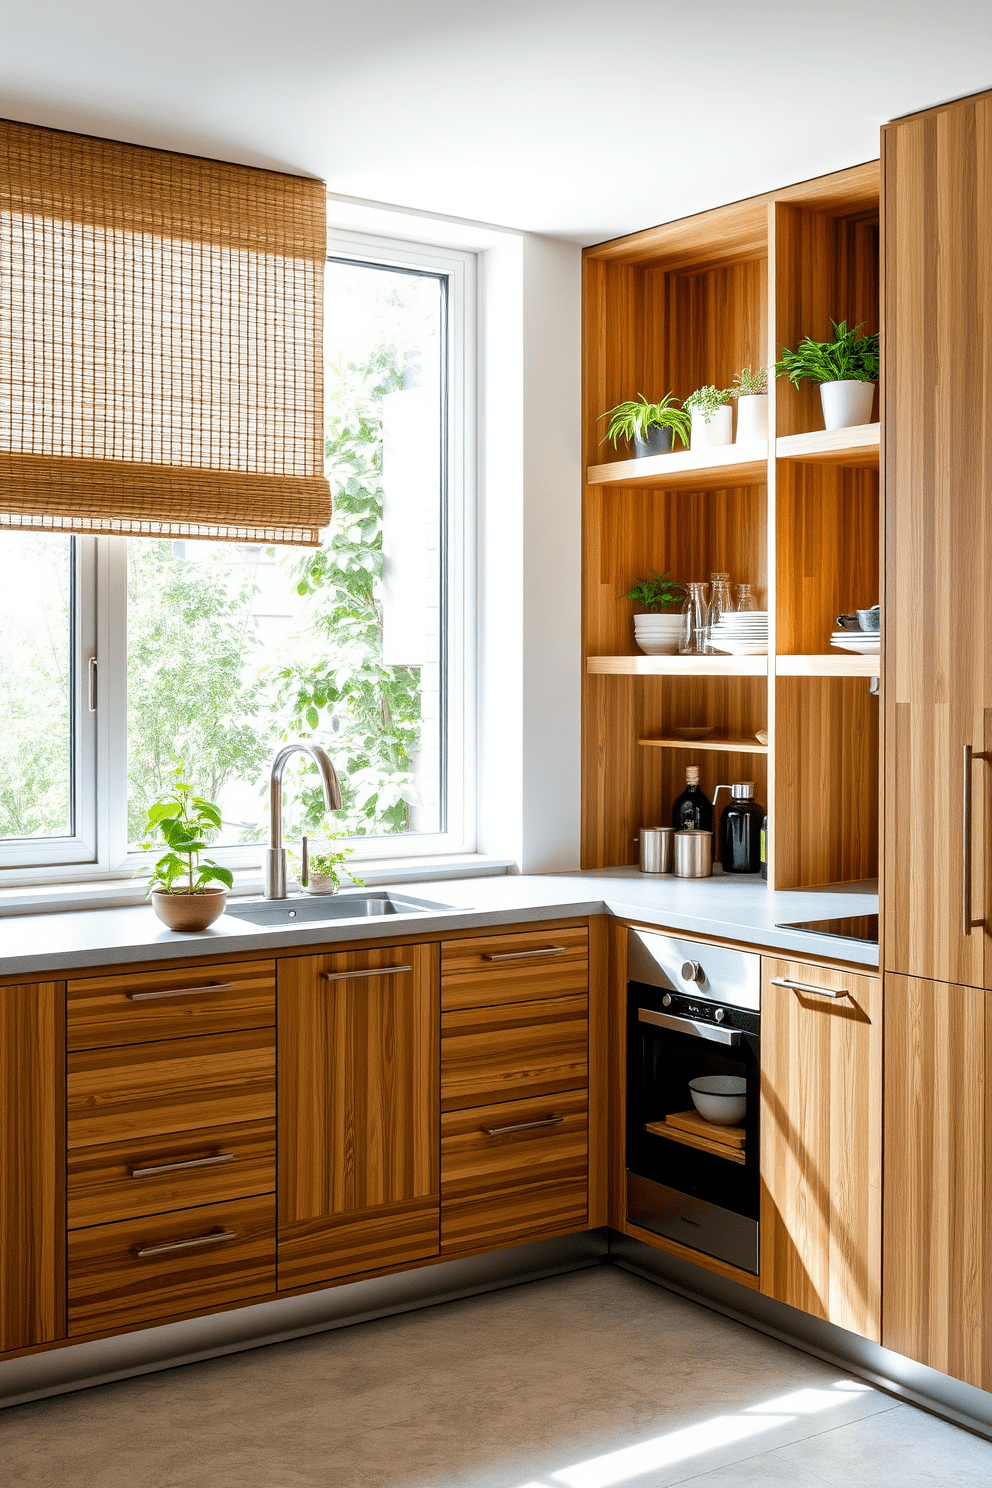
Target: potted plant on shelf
[
  {"x": 712, "y": 416},
  {"x": 319, "y": 871},
  {"x": 846, "y": 369},
  {"x": 183, "y": 884},
  {"x": 750, "y": 389},
  {"x": 648, "y": 426},
  {"x": 657, "y": 632}
]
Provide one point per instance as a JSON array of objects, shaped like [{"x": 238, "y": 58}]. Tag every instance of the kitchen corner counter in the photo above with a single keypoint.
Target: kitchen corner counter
[{"x": 728, "y": 908}]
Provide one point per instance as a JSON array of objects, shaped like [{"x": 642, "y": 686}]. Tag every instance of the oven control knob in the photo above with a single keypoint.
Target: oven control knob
[
  {"x": 666, "y": 1001},
  {"x": 692, "y": 971},
  {"x": 719, "y": 1015}
]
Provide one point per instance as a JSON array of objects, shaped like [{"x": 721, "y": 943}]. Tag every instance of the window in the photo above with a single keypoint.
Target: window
[{"x": 211, "y": 654}]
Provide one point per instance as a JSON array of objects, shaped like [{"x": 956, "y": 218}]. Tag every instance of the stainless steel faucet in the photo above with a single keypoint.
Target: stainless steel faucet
[{"x": 274, "y": 861}]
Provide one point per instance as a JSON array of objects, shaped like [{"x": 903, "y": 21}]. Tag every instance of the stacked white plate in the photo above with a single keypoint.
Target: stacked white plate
[
  {"x": 658, "y": 635},
  {"x": 741, "y": 633},
  {"x": 863, "y": 642}
]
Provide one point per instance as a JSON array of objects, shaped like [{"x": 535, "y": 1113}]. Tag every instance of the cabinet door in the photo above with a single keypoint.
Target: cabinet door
[
  {"x": 938, "y": 542},
  {"x": 821, "y": 1143},
  {"x": 32, "y": 1164},
  {"x": 938, "y": 1176},
  {"x": 359, "y": 1112}
]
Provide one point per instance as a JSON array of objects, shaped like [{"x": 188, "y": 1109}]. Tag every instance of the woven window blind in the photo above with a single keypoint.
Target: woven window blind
[{"x": 161, "y": 362}]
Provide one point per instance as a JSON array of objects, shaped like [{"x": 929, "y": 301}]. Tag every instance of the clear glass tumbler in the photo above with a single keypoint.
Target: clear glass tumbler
[
  {"x": 721, "y": 601},
  {"x": 745, "y": 599},
  {"x": 694, "y": 637}
]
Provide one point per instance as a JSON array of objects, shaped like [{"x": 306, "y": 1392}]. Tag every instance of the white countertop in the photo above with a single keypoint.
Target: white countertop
[{"x": 728, "y": 907}]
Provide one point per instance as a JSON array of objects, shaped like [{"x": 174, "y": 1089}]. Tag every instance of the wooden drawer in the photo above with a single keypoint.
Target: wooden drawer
[
  {"x": 134, "y": 1008},
  {"x": 505, "y": 1179},
  {"x": 117, "y": 1095},
  {"x": 124, "y": 1180},
  {"x": 112, "y": 1286},
  {"x": 507, "y": 1053},
  {"x": 494, "y": 969}
]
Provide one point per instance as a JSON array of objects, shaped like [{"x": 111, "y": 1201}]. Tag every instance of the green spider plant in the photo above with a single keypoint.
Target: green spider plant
[
  {"x": 634, "y": 418},
  {"x": 849, "y": 357}
]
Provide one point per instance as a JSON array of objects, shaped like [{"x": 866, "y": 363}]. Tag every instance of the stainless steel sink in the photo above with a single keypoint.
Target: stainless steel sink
[{"x": 309, "y": 909}]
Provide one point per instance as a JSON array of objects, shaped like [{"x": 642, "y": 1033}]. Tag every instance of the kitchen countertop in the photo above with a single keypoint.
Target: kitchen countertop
[{"x": 724, "y": 906}]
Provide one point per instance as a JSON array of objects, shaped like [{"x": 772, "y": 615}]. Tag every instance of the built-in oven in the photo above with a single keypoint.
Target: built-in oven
[{"x": 693, "y": 1010}]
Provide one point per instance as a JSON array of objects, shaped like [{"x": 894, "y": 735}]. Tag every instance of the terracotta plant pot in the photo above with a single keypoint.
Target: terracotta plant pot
[{"x": 189, "y": 911}]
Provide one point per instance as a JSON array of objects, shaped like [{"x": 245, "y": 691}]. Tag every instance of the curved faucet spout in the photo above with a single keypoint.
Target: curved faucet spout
[{"x": 275, "y": 854}]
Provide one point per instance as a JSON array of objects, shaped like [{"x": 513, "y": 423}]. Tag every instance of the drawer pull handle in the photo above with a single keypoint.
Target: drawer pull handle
[
  {"x": 181, "y": 991},
  {"x": 176, "y": 1167},
  {"x": 808, "y": 987},
  {"x": 519, "y": 955},
  {"x": 217, "y": 1238},
  {"x": 501, "y": 1131},
  {"x": 371, "y": 971}
]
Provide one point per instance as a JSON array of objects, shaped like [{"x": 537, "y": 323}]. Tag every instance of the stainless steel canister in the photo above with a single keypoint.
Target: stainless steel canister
[
  {"x": 693, "y": 854},
  {"x": 656, "y": 849}
]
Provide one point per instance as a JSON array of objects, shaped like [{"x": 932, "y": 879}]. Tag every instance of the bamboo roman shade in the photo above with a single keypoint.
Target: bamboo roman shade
[{"x": 160, "y": 343}]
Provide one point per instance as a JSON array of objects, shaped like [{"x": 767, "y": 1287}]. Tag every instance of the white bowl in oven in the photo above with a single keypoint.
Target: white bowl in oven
[{"x": 721, "y": 1099}]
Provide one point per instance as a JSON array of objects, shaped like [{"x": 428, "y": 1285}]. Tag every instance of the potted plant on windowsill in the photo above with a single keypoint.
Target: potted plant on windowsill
[
  {"x": 657, "y": 632},
  {"x": 750, "y": 389},
  {"x": 712, "y": 416},
  {"x": 650, "y": 427},
  {"x": 846, "y": 369},
  {"x": 183, "y": 884}
]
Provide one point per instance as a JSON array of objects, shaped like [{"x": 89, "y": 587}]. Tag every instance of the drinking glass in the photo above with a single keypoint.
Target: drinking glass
[
  {"x": 721, "y": 602},
  {"x": 695, "y": 633},
  {"x": 745, "y": 599}
]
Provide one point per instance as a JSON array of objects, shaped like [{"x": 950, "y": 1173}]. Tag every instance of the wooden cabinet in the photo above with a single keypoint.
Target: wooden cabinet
[
  {"x": 358, "y": 1112},
  {"x": 938, "y": 1176},
  {"x": 32, "y": 1164},
  {"x": 503, "y": 1053},
  {"x": 182, "y": 1002},
  {"x": 494, "y": 970},
  {"x": 821, "y": 1142},
  {"x": 938, "y": 540}
]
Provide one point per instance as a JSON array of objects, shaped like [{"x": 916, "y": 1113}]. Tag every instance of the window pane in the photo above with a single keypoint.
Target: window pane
[
  {"x": 36, "y": 629},
  {"x": 232, "y": 650}
]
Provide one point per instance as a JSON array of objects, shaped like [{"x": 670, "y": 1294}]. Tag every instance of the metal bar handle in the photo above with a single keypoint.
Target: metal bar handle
[
  {"x": 371, "y": 971},
  {"x": 520, "y": 955},
  {"x": 707, "y": 1031},
  {"x": 176, "y": 1167},
  {"x": 809, "y": 987},
  {"x": 501, "y": 1131},
  {"x": 217, "y": 1238},
  {"x": 181, "y": 991},
  {"x": 968, "y": 922}
]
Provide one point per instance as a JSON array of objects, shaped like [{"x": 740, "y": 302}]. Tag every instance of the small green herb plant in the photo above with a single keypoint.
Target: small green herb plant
[
  {"x": 660, "y": 593},
  {"x": 749, "y": 384},
  {"x": 184, "y": 821},
  {"x": 326, "y": 864},
  {"x": 706, "y": 400},
  {"x": 635, "y": 417},
  {"x": 849, "y": 357}
]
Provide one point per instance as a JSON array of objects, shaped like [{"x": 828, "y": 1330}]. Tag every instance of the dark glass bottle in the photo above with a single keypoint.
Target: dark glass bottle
[
  {"x": 693, "y": 808},
  {"x": 764, "y": 847},
  {"x": 740, "y": 830}
]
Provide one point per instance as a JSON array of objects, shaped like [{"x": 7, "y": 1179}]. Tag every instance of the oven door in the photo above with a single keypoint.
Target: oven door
[{"x": 690, "y": 1180}]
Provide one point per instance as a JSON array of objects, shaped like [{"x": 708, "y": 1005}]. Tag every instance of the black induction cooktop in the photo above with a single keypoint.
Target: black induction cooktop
[{"x": 850, "y": 927}]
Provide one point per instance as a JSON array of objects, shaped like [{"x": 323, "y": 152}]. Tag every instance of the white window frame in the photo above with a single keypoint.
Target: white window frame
[{"x": 99, "y": 848}]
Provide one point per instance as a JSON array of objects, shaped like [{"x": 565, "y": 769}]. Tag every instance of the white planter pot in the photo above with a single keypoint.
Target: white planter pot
[
  {"x": 719, "y": 430},
  {"x": 846, "y": 404},
  {"x": 658, "y": 635},
  {"x": 752, "y": 417}
]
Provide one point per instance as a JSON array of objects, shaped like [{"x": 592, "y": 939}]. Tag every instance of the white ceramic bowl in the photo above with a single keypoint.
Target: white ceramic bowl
[{"x": 722, "y": 1099}]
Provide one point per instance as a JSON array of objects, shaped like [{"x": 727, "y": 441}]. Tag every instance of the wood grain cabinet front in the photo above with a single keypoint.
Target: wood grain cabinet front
[
  {"x": 821, "y": 1142},
  {"x": 522, "y": 1049},
  {"x": 138, "y": 1007},
  {"x": 499, "y": 969}
]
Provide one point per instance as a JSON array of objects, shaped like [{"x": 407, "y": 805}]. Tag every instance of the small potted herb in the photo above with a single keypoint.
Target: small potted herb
[
  {"x": 750, "y": 390},
  {"x": 182, "y": 883},
  {"x": 712, "y": 416},
  {"x": 319, "y": 872},
  {"x": 648, "y": 426},
  {"x": 657, "y": 632},
  {"x": 846, "y": 369}
]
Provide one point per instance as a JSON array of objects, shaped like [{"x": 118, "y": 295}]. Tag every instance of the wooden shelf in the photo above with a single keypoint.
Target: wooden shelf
[
  {"x": 729, "y": 746},
  {"x": 680, "y": 1127},
  {"x": 680, "y": 666},
  {"x": 836, "y": 664},
  {"x": 856, "y": 447},
  {"x": 690, "y": 470}
]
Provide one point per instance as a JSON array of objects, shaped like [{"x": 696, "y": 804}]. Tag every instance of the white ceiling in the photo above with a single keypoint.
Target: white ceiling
[{"x": 564, "y": 117}]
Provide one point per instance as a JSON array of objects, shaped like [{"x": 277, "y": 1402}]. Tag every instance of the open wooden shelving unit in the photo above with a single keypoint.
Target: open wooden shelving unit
[{"x": 670, "y": 309}]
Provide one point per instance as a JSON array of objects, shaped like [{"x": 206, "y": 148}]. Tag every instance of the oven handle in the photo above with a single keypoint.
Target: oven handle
[{"x": 688, "y": 1025}]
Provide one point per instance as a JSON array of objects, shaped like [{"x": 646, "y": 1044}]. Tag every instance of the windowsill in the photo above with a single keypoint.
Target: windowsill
[{"x": 125, "y": 893}]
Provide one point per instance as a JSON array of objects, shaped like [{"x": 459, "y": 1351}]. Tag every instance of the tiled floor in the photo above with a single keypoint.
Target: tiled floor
[{"x": 582, "y": 1381}]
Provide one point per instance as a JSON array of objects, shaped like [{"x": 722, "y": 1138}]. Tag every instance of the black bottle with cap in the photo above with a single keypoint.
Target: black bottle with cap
[
  {"x": 740, "y": 830},
  {"x": 692, "y": 808}
]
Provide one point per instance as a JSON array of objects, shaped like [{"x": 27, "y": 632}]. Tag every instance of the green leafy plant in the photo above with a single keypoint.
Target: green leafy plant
[
  {"x": 184, "y": 821},
  {"x": 634, "y": 418},
  {"x": 660, "y": 593},
  {"x": 706, "y": 400},
  {"x": 326, "y": 864},
  {"x": 849, "y": 357},
  {"x": 749, "y": 384}
]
